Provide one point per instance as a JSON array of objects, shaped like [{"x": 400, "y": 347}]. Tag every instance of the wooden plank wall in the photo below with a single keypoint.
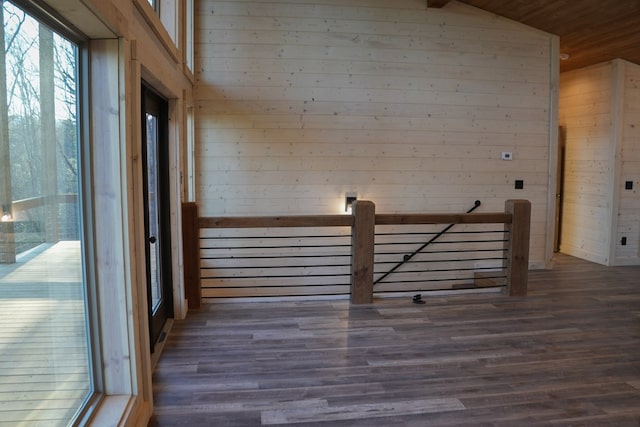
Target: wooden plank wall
[
  {"x": 629, "y": 200},
  {"x": 585, "y": 113},
  {"x": 300, "y": 102},
  {"x": 600, "y": 109}
]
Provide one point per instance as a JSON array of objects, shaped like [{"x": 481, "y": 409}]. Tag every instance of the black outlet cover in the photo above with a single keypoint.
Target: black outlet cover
[
  {"x": 628, "y": 185},
  {"x": 519, "y": 184}
]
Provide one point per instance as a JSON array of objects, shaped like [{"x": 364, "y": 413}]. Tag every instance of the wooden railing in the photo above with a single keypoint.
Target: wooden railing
[
  {"x": 362, "y": 224},
  {"x": 34, "y": 221},
  {"x": 18, "y": 206}
]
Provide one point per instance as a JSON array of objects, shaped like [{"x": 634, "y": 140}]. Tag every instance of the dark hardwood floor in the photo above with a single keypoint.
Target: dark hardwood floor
[{"x": 567, "y": 354}]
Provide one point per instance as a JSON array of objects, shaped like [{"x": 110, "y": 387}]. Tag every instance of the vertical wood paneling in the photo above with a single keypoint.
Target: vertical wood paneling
[
  {"x": 298, "y": 103},
  {"x": 585, "y": 112}
]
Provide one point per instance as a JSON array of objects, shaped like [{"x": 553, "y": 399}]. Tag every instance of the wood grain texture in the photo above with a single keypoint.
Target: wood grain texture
[
  {"x": 191, "y": 254},
  {"x": 265, "y": 256},
  {"x": 565, "y": 355},
  {"x": 44, "y": 362},
  {"x": 362, "y": 251},
  {"x": 409, "y": 106},
  {"x": 599, "y": 109},
  {"x": 109, "y": 198},
  {"x": 468, "y": 218},
  {"x": 437, "y": 3},
  {"x": 586, "y": 114},
  {"x": 257, "y": 262},
  {"x": 276, "y": 221},
  {"x": 591, "y": 31},
  {"x": 629, "y": 202},
  {"x": 7, "y": 243},
  {"x": 517, "y": 246}
]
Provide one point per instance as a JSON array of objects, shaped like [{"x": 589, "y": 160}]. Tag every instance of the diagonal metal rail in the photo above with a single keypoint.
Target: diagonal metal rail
[{"x": 407, "y": 257}]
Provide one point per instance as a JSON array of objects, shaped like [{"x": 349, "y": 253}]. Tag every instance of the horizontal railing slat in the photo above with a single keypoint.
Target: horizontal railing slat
[
  {"x": 278, "y": 291},
  {"x": 266, "y": 259},
  {"x": 36, "y": 202},
  {"x": 277, "y": 221},
  {"x": 467, "y": 218}
]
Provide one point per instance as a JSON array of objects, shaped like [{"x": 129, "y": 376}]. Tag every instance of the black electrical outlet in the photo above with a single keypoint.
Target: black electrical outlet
[
  {"x": 519, "y": 184},
  {"x": 623, "y": 241},
  {"x": 628, "y": 185}
]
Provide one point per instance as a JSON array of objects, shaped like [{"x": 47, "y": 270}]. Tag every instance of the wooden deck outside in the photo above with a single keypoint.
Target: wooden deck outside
[
  {"x": 566, "y": 354},
  {"x": 43, "y": 358}
]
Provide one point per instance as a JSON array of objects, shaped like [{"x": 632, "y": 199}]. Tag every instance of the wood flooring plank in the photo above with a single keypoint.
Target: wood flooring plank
[
  {"x": 350, "y": 412},
  {"x": 44, "y": 359},
  {"x": 566, "y": 354}
]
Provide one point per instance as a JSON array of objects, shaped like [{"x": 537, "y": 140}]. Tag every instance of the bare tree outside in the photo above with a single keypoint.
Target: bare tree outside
[
  {"x": 46, "y": 375},
  {"x": 42, "y": 135}
]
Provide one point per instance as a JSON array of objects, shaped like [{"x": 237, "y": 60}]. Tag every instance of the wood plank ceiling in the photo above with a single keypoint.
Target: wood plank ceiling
[{"x": 591, "y": 31}]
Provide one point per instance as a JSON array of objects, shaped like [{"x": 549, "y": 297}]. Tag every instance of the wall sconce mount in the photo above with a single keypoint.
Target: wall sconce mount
[{"x": 349, "y": 198}]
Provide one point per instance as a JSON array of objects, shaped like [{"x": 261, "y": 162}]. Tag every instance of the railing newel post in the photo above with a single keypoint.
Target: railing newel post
[
  {"x": 362, "y": 250},
  {"x": 517, "y": 246},
  {"x": 191, "y": 254},
  {"x": 7, "y": 243}
]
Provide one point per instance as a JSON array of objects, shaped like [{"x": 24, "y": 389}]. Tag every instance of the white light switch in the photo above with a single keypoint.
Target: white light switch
[{"x": 507, "y": 155}]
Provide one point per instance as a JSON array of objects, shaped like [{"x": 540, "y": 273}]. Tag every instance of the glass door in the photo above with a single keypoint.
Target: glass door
[
  {"x": 46, "y": 353},
  {"x": 155, "y": 185}
]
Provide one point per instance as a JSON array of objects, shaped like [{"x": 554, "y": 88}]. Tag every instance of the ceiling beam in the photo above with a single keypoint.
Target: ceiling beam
[{"x": 436, "y": 4}]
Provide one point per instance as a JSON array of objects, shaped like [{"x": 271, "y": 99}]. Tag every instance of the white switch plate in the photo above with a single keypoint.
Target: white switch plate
[{"x": 506, "y": 155}]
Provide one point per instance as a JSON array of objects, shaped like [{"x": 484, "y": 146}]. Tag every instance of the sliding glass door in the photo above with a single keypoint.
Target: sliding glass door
[{"x": 46, "y": 357}]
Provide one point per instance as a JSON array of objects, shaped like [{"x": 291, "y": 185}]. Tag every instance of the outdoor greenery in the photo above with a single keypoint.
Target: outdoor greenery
[{"x": 39, "y": 135}]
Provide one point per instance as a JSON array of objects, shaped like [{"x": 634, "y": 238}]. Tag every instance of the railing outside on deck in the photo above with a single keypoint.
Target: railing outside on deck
[
  {"x": 37, "y": 220},
  {"x": 336, "y": 254}
]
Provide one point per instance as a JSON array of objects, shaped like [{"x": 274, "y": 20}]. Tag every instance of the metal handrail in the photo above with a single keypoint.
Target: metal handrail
[{"x": 407, "y": 257}]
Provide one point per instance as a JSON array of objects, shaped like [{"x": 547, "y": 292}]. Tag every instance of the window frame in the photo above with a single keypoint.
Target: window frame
[
  {"x": 48, "y": 17},
  {"x": 155, "y": 4},
  {"x": 188, "y": 37},
  {"x": 115, "y": 66},
  {"x": 170, "y": 41}
]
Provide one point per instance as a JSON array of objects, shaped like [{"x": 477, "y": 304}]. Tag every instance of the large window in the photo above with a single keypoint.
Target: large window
[
  {"x": 189, "y": 34},
  {"x": 45, "y": 354}
]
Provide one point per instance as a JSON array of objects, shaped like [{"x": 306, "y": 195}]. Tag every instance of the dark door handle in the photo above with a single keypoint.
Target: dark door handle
[{"x": 152, "y": 239}]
